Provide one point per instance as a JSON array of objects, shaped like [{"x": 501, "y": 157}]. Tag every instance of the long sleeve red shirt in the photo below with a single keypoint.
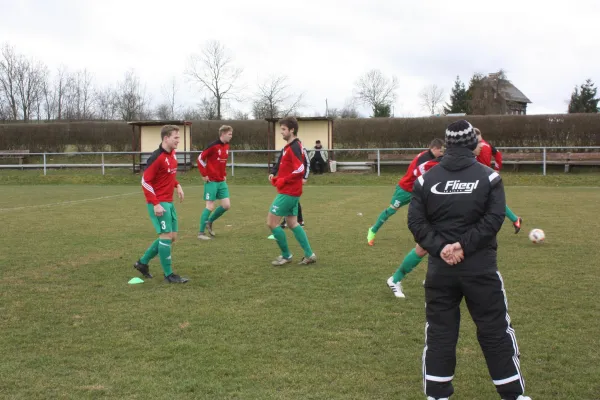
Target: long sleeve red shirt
[
  {"x": 212, "y": 161},
  {"x": 159, "y": 179},
  {"x": 486, "y": 153},
  {"x": 290, "y": 169},
  {"x": 408, "y": 180}
]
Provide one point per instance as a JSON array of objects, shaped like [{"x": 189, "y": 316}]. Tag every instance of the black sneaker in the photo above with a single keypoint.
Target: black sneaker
[
  {"x": 302, "y": 223},
  {"x": 209, "y": 228},
  {"x": 143, "y": 268},
  {"x": 173, "y": 278},
  {"x": 283, "y": 224}
]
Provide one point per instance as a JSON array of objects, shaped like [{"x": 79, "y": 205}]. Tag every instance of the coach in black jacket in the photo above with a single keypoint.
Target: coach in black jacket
[{"x": 456, "y": 210}]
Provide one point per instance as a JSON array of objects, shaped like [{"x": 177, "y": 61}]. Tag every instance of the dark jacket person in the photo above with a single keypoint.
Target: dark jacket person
[{"x": 456, "y": 210}]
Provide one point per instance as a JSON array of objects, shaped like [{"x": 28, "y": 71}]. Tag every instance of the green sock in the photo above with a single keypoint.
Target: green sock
[
  {"x": 511, "y": 215},
  {"x": 164, "y": 252},
  {"x": 408, "y": 264},
  {"x": 218, "y": 212},
  {"x": 150, "y": 253},
  {"x": 303, "y": 240},
  {"x": 203, "y": 219},
  {"x": 281, "y": 241},
  {"x": 388, "y": 212}
]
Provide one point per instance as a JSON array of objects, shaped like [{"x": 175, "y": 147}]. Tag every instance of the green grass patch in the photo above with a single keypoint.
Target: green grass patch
[
  {"x": 242, "y": 329},
  {"x": 258, "y": 176}
]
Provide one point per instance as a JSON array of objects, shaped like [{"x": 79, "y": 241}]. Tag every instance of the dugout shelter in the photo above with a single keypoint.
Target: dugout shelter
[
  {"x": 146, "y": 139},
  {"x": 310, "y": 129}
]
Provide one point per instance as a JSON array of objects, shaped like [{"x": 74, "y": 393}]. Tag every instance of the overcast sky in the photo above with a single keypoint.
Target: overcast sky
[{"x": 322, "y": 46}]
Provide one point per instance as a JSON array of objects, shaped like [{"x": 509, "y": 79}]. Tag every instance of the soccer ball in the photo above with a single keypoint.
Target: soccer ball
[{"x": 537, "y": 235}]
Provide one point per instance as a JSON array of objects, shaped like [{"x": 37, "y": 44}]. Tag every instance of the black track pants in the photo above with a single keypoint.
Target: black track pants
[{"x": 486, "y": 300}]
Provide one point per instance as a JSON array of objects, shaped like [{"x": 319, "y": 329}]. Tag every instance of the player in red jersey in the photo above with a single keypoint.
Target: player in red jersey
[
  {"x": 485, "y": 157},
  {"x": 414, "y": 257},
  {"x": 212, "y": 163},
  {"x": 288, "y": 181},
  {"x": 403, "y": 191},
  {"x": 158, "y": 182}
]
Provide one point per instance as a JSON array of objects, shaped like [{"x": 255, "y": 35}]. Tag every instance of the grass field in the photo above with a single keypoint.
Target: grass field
[{"x": 71, "y": 326}]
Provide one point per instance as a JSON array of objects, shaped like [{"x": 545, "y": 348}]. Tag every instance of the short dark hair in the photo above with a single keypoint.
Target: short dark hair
[
  {"x": 167, "y": 130},
  {"x": 436, "y": 144},
  {"x": 318, "y": 141},
  {"x": 290, "y": 123}
]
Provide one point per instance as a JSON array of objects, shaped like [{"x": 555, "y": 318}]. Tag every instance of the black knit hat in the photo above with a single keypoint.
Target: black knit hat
[{"x": 461, "y": 134}]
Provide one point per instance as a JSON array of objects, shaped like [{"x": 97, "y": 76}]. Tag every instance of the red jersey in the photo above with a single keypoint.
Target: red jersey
[
  {"x": 408, "y": 180},
  {"x": 158, "y": 180},
  {"x": 290, "y": 170},
  {"x": 426, "y": 166},
  {"x": 485, "y": 156},
  {"x": 212, "y": 161}
]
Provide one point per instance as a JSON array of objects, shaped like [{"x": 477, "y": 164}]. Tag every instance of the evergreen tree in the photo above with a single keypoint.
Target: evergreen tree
[
  {"x": 382, "y": 110},
  {"x": 476, "y": 80},
  {"x": 583, "y": 99},
  {"x": 458, "y": 98}
]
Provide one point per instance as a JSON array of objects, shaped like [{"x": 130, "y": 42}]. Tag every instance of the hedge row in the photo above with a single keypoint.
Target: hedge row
[{"x": 502, "y": 131}]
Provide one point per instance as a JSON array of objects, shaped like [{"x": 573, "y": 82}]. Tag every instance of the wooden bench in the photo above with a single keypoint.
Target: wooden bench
[
  {"x": 19, "y": 154},
  {"x": 391, "y": 159},
  {"x": 568, "y": 159}
]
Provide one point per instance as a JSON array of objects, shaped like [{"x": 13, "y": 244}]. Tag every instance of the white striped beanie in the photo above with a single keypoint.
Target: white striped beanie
[{"x": 461, "y": 134}]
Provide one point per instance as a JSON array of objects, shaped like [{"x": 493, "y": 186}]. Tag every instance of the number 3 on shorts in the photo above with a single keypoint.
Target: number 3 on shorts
[{"x": 163, "y": 225}]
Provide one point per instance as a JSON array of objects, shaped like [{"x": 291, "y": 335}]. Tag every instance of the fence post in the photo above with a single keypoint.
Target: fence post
[
  {"x": 544, "y": 163},
  {"x": 232, "y": 164},
  {"x": 378, "y": 163},
  {"x": 102, "y": 163},
  {"x": 44, "y": 164}
]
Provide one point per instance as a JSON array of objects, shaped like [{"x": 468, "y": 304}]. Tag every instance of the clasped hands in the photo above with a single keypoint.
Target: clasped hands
[{"x": 452, "y": 253}]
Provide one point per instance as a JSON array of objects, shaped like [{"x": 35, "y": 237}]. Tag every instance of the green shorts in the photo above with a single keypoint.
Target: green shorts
[
  {"x": 285, "y": 205},
  {"x": 400, "y": 198},
  {"x": 167, "y": 222},
  {"x": 215, "y": 191}
]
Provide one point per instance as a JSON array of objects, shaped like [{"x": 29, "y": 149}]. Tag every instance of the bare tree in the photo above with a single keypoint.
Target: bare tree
[
  {"x": 432, "y": 97},
  {"x": 208, "y": 109},
  {"x": 348, "y": 111},
  {"x": 213, "y": 69},
  {"x": 376, "y": 91},
  {"x": 30, "y": 75},
  {"x": 41, "y": 101},
  {"x": 168, "y": 109},
  {"x": 272, "y": 99},
  {"x": 163, "y": 111},
  {"x": 49, "y": 100},
  {"x": 9, "y": 65},
  {"x": 131, "y": 99},
  {"x": 107, "y": 104},
  {"x": 5, "y": 112},
  {"x": 60, "y": 88},
  {"x": 240, "y": 115},
  {"x": 191, "y": 114},
  {"x": 79, "y": 95}
]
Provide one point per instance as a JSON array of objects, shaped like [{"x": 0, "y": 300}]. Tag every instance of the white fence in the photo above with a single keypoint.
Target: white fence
[{"x": 375, "y": 158}]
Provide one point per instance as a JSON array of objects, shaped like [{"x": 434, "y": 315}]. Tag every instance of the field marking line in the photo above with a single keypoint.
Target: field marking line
[{"x": 60, "y": 203}]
